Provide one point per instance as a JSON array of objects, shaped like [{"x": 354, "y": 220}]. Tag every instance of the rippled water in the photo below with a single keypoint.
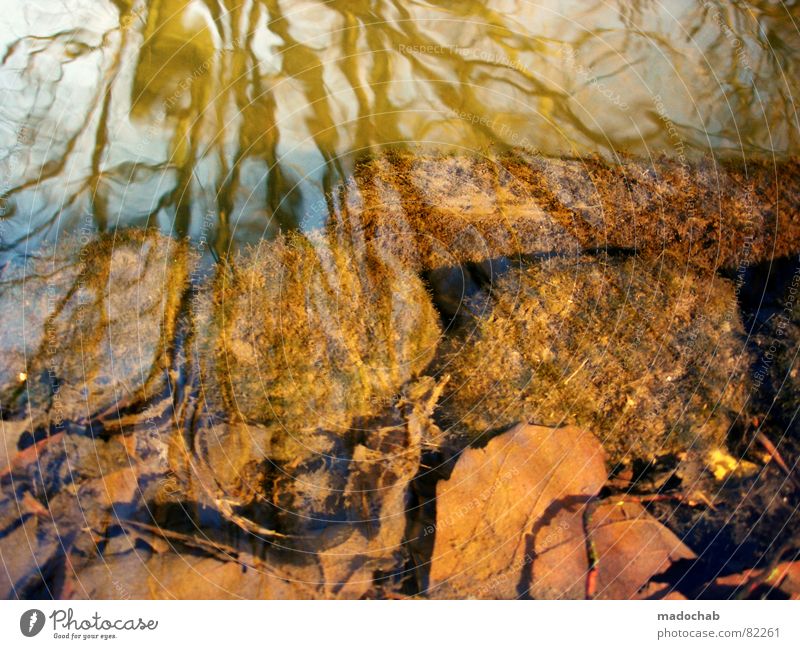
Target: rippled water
[{"x": 228, "y": 120}]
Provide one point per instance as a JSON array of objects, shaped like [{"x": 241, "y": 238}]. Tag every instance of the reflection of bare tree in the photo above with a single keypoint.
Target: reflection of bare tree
[{"x": 196, "y": 113}]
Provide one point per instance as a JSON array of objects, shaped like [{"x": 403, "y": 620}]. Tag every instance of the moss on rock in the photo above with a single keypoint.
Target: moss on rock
[
  {"x": 646, "y": 356},
  {"x": 309, "y": 335},
  {"x": 440, "y": 209}
]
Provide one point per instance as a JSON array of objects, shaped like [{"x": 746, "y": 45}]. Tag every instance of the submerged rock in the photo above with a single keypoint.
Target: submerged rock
[
  {"x": 90, "y": 329},
  {"x": 648, "y": 357},
  {"x": 444, "y": 210},
  {"x": 308, "y": 335},
  {"x": 299, "y": 343},
  {"x": 312, "y": 491}
]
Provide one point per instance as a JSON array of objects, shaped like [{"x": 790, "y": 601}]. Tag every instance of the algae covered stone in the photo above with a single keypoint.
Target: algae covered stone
[
  {"x": 90, "y": 329},
  {"x": 308, "y": 334},
  {"x": 646, "y": 356}
]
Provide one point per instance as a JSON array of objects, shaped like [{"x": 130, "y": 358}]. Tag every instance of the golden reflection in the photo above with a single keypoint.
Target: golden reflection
[{"x": 231, "y": 120}]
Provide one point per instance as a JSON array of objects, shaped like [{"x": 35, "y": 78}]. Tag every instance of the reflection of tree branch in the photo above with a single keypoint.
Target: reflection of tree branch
[
  {"x": 99, "y": 203},
  {"x": 55, "y": 169}
]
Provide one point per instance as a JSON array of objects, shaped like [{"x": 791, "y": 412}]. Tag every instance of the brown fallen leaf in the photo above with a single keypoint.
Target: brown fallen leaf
[
  {"x": 500, "y": 495},
  {"x": 25, "y": 554},
  {"x": 30, "y": 455},
  {"x": 786, "y": 577},
  {"x": 10, "y": 434},
  {"x": 144, "y": 575},
  {"x": 656, "y": 590},
  {"x": 631, "y": 548},
  {"x": 29, "y": 505},
  {"x": 536, "y": 534},
  {"x": 118, "y": 487}
]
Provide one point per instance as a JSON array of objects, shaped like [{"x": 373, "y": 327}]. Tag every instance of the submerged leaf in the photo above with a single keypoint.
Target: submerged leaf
[{"x": 499, "y": 496}]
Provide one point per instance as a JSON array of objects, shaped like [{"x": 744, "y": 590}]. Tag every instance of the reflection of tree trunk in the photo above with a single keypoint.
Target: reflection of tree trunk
[{"x": 435, "y": 211}]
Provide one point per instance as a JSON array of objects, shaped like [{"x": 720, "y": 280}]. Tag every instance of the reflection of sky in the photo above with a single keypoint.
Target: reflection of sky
[{"x": 244, "y": 114}]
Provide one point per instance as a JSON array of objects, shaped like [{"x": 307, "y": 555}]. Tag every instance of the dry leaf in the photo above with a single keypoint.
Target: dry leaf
[
  {"x": 10, "y": 434},
  {"x": 142, "y": 575},
  {"x": 500, "y": 495},
  {"x": 512, "y": 521},
  {"x": 24, "y": 555},
  {"x": 631, "y": 548}
]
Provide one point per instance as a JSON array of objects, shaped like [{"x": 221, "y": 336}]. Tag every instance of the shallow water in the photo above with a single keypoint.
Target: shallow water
[
  {"x": 227, "y": 121},
  {"x": 320, "y": 387}
]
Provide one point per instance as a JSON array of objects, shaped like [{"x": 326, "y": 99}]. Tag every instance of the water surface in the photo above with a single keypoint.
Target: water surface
[{"x": 229, "y": 120}]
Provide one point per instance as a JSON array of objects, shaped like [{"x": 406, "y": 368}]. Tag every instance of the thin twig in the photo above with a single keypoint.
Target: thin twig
[{"x": 775, "y": 455}]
